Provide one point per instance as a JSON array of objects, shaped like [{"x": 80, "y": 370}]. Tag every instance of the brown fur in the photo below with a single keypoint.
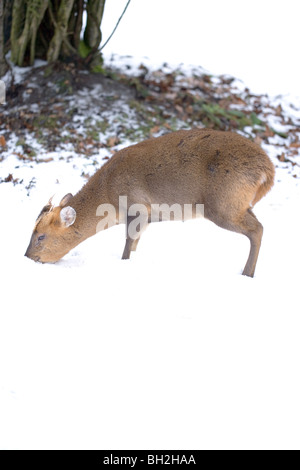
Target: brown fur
[{"x": 222, "y": 170}]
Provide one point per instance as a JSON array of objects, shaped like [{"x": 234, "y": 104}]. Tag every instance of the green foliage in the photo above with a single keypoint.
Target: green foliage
[
  {"x": 212, "y": 114},
  {"x": 255, "y": 120},
  {"x": 281, "y": 134},
  {"x": 141, "y": 90},
  {"x": 84, "y": 50},
  {"x": 98, "y": 69}
]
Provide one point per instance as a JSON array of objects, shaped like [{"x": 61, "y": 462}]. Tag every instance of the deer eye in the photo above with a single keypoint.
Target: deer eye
[{"x": 41, "y": 237}]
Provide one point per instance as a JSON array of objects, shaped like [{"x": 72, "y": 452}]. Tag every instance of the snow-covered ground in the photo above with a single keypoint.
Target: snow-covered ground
[
  {"x": 172, "y": 349},
  {"x": 256, "y": 41}
]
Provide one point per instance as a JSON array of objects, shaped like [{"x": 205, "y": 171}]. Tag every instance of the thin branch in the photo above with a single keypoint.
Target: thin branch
[{"x": 114, "y": 30}]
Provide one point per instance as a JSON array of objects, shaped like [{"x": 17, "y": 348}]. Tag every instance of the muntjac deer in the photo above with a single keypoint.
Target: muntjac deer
[{"x": 223, "y": 171}]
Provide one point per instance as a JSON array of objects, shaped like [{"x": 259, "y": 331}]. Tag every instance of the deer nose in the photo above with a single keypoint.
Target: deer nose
[{"x": 29, "y": 255}]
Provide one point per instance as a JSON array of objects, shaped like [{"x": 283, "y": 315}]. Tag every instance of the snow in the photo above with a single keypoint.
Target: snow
[
  {"x": 171, "y": 349},
  {"x": 256, "y": 43}
]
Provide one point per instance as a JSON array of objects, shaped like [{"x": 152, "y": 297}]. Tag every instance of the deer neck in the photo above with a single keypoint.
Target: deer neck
[{"x": 88, "y": 204}]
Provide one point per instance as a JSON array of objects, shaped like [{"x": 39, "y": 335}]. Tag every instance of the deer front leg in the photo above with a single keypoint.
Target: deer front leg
[
  {"x": 132, "y": 239},
  {"x": 128, "y": 248}
]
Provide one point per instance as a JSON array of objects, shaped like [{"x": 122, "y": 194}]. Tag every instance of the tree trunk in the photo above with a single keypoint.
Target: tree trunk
[
  {"x": 3, "y": 64},
  {"x": 75, "y": 23},
  {"x": 8, "y": 6},
  {"x": 35, "y": 10},
  {"x": 50, "y": 29},
  {"x": 92, "y": 34},
  {"x": 61, "y": 27}
]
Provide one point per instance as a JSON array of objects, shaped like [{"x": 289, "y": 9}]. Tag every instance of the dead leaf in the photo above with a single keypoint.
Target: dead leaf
[
  {"x": 258, "y": 140},
  {"x": 112, "y": 141},
  {"x": 179, "y": 108},
  {"x": 278, "y": 110},
  {"x": 45, "y": 160},
  {"x": 9, "y": 178},
  {"x": 295, "y": 145},
  {"x": 21, "y": 156},
  {"x": 2, "y": 141},
  {"x": 268, "y": 132},
  {"x": 154, "y": 130}
]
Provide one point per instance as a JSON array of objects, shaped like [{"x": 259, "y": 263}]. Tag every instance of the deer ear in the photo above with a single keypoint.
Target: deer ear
[
  {"x": 65, "y": 200},
  {"x": 67, "y": 216}
]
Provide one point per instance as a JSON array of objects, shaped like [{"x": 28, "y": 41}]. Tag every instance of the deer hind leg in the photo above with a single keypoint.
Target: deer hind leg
[
  {"x": 253, "y": 229},
  {"x": 248, "y": 225}
]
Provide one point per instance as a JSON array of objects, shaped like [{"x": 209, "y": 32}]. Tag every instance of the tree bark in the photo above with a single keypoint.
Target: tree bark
[
  {"x": 35, "y": 10},
  {"x": 3, "y": 63},
  {"x": 8, "y": 6},
  {"x": 61, "y": 27},
  {"x": 92, "y": 34},
  {"x": 75, "y": 23}
]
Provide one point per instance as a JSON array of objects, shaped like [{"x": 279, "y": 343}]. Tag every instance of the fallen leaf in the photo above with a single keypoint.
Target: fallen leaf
[
  {"x": 258, "y": 140},
  {"x": 21, "y": 157},
  {"x": 278, "y": 110},
  {"x": 45, "y": 160},
  {"x": 154, "y": 130},
  {"x": 9, "y": 178},
  {"x": 268, "y": 132},
  {"x": 2, "y": 141},
  {"x": 179, "y": 108},
  {"x": 112, "y": 141},
  {"x": 295, "y": 145}
]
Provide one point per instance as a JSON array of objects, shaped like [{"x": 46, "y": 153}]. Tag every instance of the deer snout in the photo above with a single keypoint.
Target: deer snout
[
  {"x": 30, "y": 255},
  {"x": 31, "y": 252}
]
